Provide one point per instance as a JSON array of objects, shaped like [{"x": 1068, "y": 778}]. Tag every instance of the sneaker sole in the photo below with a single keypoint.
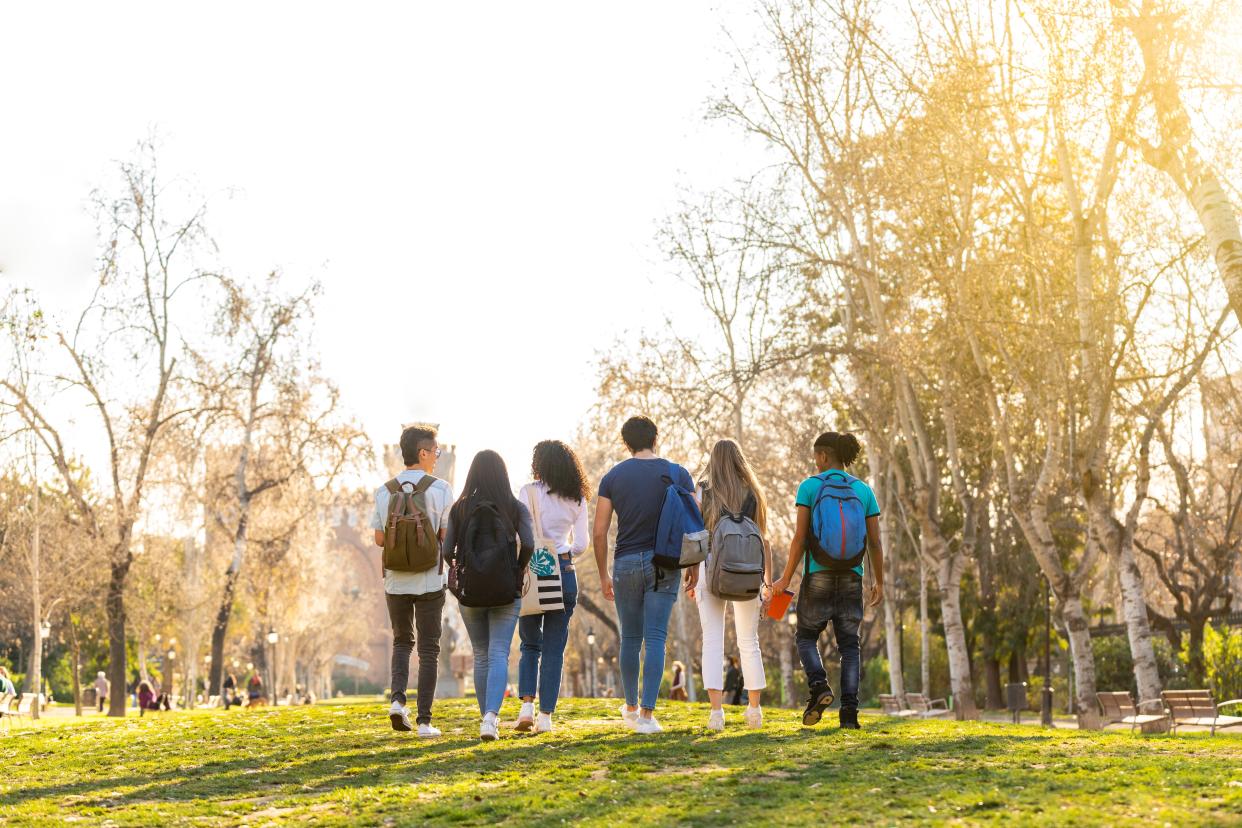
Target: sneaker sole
[
  {"x": 488, "y": 738},
  {"x": 398, "y": 723},
  {"x": 812, "y": 717},
  {"x": 525, "y": 725}
]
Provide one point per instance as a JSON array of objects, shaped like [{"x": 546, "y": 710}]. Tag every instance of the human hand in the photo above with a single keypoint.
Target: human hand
[
  {"x": 780, "y": 584},
  {"x": 605, "y": 586},
  {"x": 875, "y": 595}
]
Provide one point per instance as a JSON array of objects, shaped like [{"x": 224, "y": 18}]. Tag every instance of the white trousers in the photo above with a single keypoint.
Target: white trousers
[{"x": 745, "y": 624}]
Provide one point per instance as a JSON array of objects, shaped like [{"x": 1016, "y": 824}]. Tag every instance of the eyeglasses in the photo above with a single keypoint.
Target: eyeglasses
[{"x": 435, "y": 451}]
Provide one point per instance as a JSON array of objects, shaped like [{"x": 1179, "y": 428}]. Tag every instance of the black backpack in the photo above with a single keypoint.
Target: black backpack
[{"x": 484, "y": 569}]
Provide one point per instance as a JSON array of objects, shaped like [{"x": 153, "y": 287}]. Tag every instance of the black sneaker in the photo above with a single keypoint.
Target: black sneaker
[
  {"x": 821, "y": 698},
  {"x": 849, "y": 719}
]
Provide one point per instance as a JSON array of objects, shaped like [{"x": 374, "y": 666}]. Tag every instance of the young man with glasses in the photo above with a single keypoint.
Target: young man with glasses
[{"x": 415, "y": 599}]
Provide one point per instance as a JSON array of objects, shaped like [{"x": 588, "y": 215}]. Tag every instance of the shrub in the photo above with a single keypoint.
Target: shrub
[{"x": 1222, "y": 661}]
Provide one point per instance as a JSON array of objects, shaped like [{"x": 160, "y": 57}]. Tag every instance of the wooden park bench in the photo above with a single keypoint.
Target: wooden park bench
[
  {"x": 1119, "y": 708},
  {"x": 892, "y": 706},
  {"x": 1197, "y": 709},
  {"x": 926, "y": 708}
]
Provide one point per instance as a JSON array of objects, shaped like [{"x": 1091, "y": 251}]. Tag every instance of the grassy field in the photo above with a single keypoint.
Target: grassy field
[{"x": 342, "y": 764}]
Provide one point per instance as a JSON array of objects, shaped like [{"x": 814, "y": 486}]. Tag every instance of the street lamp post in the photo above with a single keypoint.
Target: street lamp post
[
  {"x": 272, "y": 638},
  {"x": 591, "y": 646},
  {"x": 172, "y": 658},
  {"x": 1045, "y": 706}
]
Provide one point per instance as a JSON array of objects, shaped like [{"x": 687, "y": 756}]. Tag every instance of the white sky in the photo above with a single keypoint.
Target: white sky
[{"x": 485, "y": 182}]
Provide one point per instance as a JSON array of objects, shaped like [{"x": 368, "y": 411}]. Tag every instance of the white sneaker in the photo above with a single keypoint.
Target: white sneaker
[
  {"x": 716, "y": 720},
  {"x": 487, "y": 730},
  {"x": 753, "y": 717},
  {"x": 648, "y": 726},
  {"x": 526, "y": 718},
  {"x": 629, "y": 717},
  {"x": 399, "y": 715},
  {"x": 543, "y": 724},
  {"x": 426, "y": 731}
]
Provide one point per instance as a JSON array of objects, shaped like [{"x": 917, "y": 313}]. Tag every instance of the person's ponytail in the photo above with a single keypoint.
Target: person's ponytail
[{"x": 844, "y": 447}]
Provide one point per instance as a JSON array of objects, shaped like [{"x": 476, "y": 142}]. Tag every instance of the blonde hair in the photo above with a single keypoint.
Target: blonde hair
[{"x": 729, "y": 478}]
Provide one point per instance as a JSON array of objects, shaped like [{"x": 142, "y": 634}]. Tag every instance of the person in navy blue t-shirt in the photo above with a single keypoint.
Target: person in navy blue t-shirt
[{"x": 644, "y": 593}]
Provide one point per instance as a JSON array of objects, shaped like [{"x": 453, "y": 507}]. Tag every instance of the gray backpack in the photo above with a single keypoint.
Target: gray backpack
[{"x": 735, "y": 561}]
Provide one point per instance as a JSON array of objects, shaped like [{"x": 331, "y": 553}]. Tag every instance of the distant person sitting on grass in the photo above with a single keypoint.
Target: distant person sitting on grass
[
  {"x": 148, "y": 700},
  {"x": 838, "y": 528},
  {"x": 6, "y": 683},
  {"x": 101, "y": 690}
]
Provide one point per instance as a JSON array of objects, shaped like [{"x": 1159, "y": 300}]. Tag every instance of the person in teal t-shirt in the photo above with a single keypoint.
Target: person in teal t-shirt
[
  {"x": 808, "y": 491},
  {"x": 827, "y": 595}
]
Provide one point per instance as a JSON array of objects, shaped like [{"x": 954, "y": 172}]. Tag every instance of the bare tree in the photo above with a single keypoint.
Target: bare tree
[{"x": 123, "y": 355}]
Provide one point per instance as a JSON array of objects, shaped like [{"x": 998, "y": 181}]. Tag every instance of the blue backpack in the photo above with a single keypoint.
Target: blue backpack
[
  {"x": 838, "y": 540},
  {"x": 681, "y": 538}
]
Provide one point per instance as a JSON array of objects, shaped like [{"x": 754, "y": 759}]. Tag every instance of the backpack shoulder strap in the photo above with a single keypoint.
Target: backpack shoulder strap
[
  {"x": 424, "y": 483},
  {"x": 393, "y": 486}
]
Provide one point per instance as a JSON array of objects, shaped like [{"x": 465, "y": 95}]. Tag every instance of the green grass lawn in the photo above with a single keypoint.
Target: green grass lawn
[{"x": 341, "y": 763}]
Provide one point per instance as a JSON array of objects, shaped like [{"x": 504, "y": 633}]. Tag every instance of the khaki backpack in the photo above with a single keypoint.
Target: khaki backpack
[{"x": 410, "y": 541}]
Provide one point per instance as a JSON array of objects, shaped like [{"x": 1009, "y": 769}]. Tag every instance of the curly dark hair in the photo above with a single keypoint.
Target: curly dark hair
[
  {"x": 555, "y": 463},
  {"x": 843, "y": 447}
]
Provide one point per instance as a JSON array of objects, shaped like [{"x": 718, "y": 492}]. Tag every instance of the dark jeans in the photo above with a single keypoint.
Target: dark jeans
[
  {"x": 543, "y": 646},
  {"x": 835, "y": 597},
  {"x": 407, "y": 612}
]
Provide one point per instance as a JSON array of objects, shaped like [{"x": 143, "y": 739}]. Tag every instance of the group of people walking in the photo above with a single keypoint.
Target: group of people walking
[{"x": 511, "y": 563}]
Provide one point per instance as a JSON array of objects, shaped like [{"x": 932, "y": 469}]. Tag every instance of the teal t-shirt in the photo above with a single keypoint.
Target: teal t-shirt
[{"x": 807, "y": 492}]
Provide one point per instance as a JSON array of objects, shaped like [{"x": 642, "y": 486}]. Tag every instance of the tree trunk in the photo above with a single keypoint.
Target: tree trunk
[
  {"x": 1134, "y": 606},
  {"x": 892, "y": 643},
  {"x": 115, "y": 604},
  {"x": 1194, "y": 661},
  {"x": 77, "y": 666},
  {"x": 992, "y": 674},
  {"x": 892, "y": 633},
  {"x": 1079, "y": 633},
  {"x": 924, "y": 634},
  {"x": 34, "y": 677},
  {"x": 950, "y": 585},
  {"x": 219, "y": 632},
  {"x": 686, "y": 649},
  {"x": 787, "y": 671}
]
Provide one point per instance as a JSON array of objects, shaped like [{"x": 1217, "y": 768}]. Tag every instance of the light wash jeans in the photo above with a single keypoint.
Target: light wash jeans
[
  {"x": 745, "y": 624},
  {"x": 543, "y": 646},
  {"x": 491, "y": 635},
  {"x": 644, "y": 595}
]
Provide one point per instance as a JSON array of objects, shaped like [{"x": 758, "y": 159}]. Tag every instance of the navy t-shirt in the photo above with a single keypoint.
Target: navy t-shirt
[{"x": 636, "y": 488}]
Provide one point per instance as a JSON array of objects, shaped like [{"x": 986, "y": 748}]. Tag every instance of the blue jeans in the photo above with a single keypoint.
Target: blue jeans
[
  {"x": 836, "y": 597},
  {"x": 491, "y": 634},
  {"x": 645, "y": 595},
  {"x": 543, "y": 637}
]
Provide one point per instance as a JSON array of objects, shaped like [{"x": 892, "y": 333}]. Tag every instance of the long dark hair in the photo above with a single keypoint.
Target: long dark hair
[
  {"x": 555, "y": 463},
  {"x": 487, "y": 480}
]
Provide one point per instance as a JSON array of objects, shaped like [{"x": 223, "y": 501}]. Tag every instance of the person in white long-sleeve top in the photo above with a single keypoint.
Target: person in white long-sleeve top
[
  {"x": 731, "y": 487},
  {"x": 560, "y": 492}
]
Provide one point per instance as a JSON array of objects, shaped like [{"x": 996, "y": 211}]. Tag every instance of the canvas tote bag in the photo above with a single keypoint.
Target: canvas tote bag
[{"x": 541, "y": 586}]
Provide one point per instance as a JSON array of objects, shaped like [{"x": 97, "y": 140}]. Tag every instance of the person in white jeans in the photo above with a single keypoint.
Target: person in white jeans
[{"x": 731, "y": 486}]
